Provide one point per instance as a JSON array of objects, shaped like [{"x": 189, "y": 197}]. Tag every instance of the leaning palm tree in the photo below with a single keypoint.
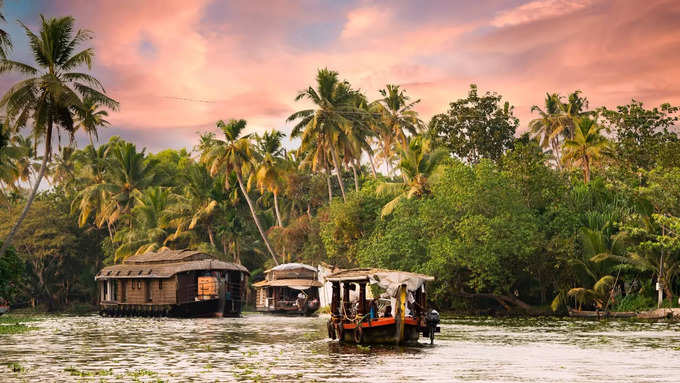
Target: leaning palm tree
[
  {"x": 233, "y": 154},
  {"x": 271, "y": 168},
  {"x": 587, "y": 146},
  {"x": 52, "y": 91},
  {"x": 419, "y": 163},
  {"x": 332, "y": 109}
]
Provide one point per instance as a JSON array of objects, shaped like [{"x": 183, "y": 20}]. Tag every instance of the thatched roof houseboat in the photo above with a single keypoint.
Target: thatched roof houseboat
[
  {"x": 172, "y": 283},
  {"x": 291, "y": 288}
]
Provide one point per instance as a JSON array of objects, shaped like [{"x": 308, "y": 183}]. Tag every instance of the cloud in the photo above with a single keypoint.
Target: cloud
[
  {"x": 177, "y": 67},
  {"x": 538, "y": 10}
]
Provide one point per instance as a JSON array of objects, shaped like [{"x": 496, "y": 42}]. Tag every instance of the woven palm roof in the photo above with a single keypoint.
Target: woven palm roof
[
  {"x": 289, "y": 282},
  {"x": 366, "y": 274},
  {"x": 165, "y": 265}
]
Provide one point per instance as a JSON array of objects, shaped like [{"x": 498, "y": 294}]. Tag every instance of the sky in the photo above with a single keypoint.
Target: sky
[{"x": 178, "y": 66}]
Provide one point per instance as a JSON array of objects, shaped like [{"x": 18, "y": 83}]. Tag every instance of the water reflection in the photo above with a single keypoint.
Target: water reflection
[{"x": 282, "y": 349}]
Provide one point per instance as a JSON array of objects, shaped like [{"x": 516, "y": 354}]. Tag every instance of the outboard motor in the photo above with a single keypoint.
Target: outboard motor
[{"x": 432, "y": 321}]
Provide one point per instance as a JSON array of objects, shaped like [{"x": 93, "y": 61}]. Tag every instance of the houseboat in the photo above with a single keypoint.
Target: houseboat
[
  {"x": 398, "y": 315},
  {"x": 291, "y": 288},
  {"x": 180, "y": 283}
]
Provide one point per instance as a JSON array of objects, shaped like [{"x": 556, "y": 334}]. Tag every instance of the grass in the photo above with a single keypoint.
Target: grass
[
  {"x": 634, "y": 302},
  {"x": 11, "y": 324}
]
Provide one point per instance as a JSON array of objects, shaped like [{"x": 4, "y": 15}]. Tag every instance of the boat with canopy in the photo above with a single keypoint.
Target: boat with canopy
[{"x": 396, "y": 311}]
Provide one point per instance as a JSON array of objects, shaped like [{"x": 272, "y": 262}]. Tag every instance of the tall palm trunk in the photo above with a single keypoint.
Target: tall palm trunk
[
  {"x": 31, "y": 197},
  {"x": 337, "y": 172},
  {"x": 356, "y": 180},
  {"x": 586, "y": 168},
  {"x": 252, "y": 211},
  {"x": 328, "y": 181},
  {"x": 210, "y": 236},
  {"x": 276, "y": 209},
  {"x": 370, "y": 158}
]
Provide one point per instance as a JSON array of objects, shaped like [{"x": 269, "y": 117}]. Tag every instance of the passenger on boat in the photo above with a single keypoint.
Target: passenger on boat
[{"x": 388, "y": 311}]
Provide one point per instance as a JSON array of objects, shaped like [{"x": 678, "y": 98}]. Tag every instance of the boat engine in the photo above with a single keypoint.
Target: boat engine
[{"x": 432, "y": 322}]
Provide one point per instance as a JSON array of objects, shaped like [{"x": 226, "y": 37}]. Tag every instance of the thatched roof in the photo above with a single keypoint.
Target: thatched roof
[
  {"x": 167, "y": 256},
  {"x": 165, "y": 264},
  {"x": 291, "y": 267},
  {"x": 289, "y": 282},
  {"x": 366, "y": 274}
]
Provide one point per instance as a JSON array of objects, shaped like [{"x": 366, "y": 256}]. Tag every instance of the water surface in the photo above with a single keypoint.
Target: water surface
[{"x": 260, "y": 348}]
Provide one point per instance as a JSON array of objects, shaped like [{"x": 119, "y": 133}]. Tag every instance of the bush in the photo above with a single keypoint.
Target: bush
[{"x": 634, "y": 302}]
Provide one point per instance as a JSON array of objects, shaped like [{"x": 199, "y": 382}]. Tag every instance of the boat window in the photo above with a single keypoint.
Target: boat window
[
  {"x": 139, "y": 284},
  {"x": 123, "y": 294},
  {"x": 160, "y": 284},
  {"x": 133, "y": 284}
]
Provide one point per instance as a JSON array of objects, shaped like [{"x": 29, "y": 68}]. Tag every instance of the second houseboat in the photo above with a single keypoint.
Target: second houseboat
[{"x": 291, "y": 288}]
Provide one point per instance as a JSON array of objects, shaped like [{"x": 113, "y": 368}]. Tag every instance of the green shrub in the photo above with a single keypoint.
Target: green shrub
[{"x": 634, "y": 302}]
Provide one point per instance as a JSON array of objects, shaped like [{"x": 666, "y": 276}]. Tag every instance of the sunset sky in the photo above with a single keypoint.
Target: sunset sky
[{"x": 177, "y": 66}]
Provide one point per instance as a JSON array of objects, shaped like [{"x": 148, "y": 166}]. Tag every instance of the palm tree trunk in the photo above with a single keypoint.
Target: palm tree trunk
[
  {"x": 337, "y": 172},
  {"x": 252, "y": 211},
  {"x": 370, "y": 158},
  {"x": 328, "y": 181},
  {"x": 210, "y": 236},
  {"x": 31, "y": 197},
  {"x": 356, "y": 180},
  {"x": 276, "y": 209},
  {"x": 586, "y": 169}
]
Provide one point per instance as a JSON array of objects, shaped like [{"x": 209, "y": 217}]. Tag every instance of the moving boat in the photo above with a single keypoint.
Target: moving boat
[
  {"x": 399, "y": 315},
  {"x": 291, "y": 288},
  {"x": 179, "y": 283}
]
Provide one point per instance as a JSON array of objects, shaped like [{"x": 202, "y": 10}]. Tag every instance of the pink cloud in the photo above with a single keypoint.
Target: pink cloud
[{"x": 179, "y": 66}]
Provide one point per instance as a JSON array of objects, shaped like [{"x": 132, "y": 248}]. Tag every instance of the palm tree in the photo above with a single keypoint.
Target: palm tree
[
  {"x": 396, "y": 113},
  {"x": 333, "y": 109},
  {"x": 52, "y": 90},
  {"x": 90, "y": 117},
  {"x": 63, "y": 167},
  {"x": 418, "y": 164},
  {"x": 151, "y": 224},
  {"x": 196, "y": 205},
  {"x": 550, "y": 124},
  {"x": 234, "y": 154},
  {"x": 587, "y": 146},
  {"x": 10, "y": 160},
  {"x": 271, "y": 168},
  {"x": 91, "y": 165}
]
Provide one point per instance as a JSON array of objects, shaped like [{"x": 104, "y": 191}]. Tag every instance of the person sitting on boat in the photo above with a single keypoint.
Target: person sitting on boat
[
  {"x": 373, "y": 309},
  {"x": 388, "y": 311},
  {"x": 301, "y": 298}
]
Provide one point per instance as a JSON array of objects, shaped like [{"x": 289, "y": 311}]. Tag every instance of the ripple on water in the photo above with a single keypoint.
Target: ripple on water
[{"x": 290, "y": 349}]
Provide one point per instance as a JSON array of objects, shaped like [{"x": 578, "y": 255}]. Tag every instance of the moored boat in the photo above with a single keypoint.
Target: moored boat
[
  {"x": 178, "y": 283},
  {"x": 290, "y": 288},
  {"x": 399, "y": 316}
]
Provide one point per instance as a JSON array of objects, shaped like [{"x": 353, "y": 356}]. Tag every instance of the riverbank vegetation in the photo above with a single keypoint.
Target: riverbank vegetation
[{"x": 583, "y": 204}]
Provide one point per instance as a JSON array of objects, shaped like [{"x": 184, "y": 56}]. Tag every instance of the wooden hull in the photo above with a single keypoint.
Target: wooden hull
[
  {"x": 195, "y": 309},
  {"x": 379, "y": 331}
]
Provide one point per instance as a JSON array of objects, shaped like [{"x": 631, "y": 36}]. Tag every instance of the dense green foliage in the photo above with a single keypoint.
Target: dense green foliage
[{"x": 581, "y": 209}]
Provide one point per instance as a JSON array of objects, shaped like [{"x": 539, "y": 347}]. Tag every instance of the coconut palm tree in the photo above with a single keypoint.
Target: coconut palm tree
[
  {"x": 233, "y": 154},
  {"x": 418, "y": 164},
  {"x": 333, "y": 109},
  {"x": 90, "y": 117},
  {"x": 151, "y": 226},
  {"x": 550, "y": 124},
  {"x": 599, "y": 295},
  {"x": 91, "y": 164},
  {"x": 271, "y": 167},
  {"x": 396, "y": 113},
  {"x": 52, "y": 89},
  {"x": 196, "y": 205},
  {"x": 587, "y": 146}
]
